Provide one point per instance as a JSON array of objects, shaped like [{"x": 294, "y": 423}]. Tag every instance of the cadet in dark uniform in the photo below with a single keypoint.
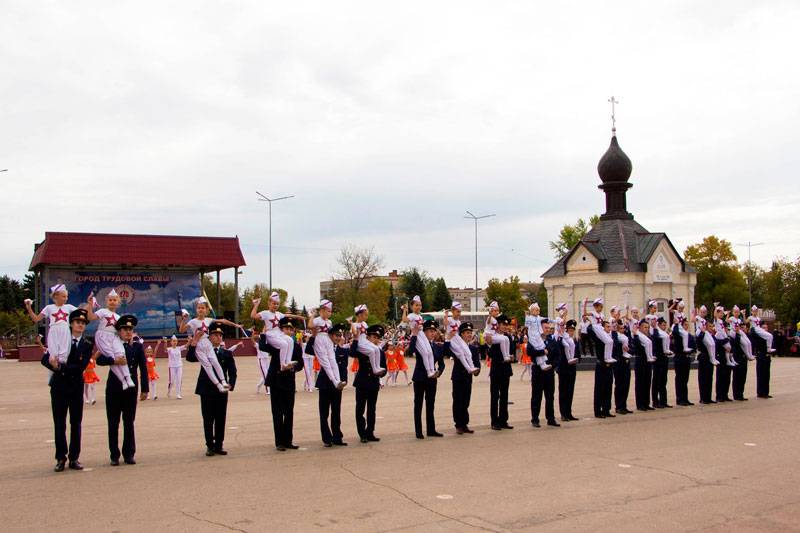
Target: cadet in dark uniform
[
  {"x": 499, "y": 378},
  {"x": 763, "y": 363},
  {"x": 543, "y": 382},
  {"x": 740, "y": 371},
  {"x": 604, "y": 377},
  {"x": 122, "y": 403},
  {"x": 705, "y": 364},
  {"x": 660, "y": 368},
  {"x": 282, "y": 387},
  {"x": 622, "y": 370},
  {"x": 567, "y": 370},
  {"x": 367, "y": 386},
  {"x": 683, "y": 363},
  {"x": 66, "y": 392},
  {"x": 213, "y": 403},
  {"x": 644, "y": 368},
  {"x": 461, "y": 376},
  {"x": 330, "y": 396},
  {"x": 424, "y": 386}
]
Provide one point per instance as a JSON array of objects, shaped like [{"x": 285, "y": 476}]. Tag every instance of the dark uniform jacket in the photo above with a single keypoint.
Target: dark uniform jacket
[
  {"x": 500, "y": 367},
  {"x": 69, "y": 376},
  {"x": 555, "y": 351},
  {"x": 204, "y": 384},
  {"x": 460, "y": 373},
  {"x": 275, "y": 377},
  {"x": 134, "y": 353},
  {"x": 364, "y": 377},
  {"x": 323, "y": 381},
  {"x": 419, "y": 369}
]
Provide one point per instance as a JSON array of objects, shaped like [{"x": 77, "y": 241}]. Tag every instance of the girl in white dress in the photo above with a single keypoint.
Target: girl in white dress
[
  {"x": 755, "y": 323},
  {"x": 205, "y": 351},
  {"x": 107, "y": 337},
  {"x": 174, "y": 356},
  {"x": 275, "y": 337},
  {"x": 492, "y": 335},
  {"x": 736, "y": 327},
  {"x": 57, "y": 315},
  {"x": 359, "y": 330},
  {"x": 323, "y": 345}
]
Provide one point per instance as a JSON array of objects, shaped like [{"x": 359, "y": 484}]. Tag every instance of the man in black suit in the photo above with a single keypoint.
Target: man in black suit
[
  {"x": 567, "y": 370},
  {"x": 660, "y": 367},
  {"x": 739, "y": 377},
  {"x": 604, "y": 379},
  {"x": 213, "y": 402},
  {"x": 683, "y": 363},
  {"x": 424, "y": 386},
  {"x": 622, "y": 370},
  {"x": 66, "y": 392},
  {"x": 543, "y": 380},
  {"x": 463, "y": 370},
  {"x": 705, "y": 364},
  {"x": 282, "y": 387},
  {"x": 763, "y": 363},
  {"x": 367, "y": 386},
  {"x": 499, "y": 378},
  {"x": 644, "y": 368},
  {"x": 122, "y": 403},
  {"x": 330, "y": 396}
]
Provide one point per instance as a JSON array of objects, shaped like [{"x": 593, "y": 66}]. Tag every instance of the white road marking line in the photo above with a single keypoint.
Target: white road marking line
[{"x": 445, "y": 496}]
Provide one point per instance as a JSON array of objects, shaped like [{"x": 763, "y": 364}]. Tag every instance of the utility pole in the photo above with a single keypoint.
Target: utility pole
[
  {"x": 270, "y": 200},
  {"x": 749, "y": 245},
  {"x": 476, "y": 219}
]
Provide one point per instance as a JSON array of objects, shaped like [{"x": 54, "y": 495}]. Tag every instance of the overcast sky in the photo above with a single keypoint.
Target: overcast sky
[{"x": 388, "y": 120}]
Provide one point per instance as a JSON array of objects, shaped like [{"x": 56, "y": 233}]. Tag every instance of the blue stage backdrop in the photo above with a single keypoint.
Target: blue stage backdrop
[{"x": 154, "y": 297}]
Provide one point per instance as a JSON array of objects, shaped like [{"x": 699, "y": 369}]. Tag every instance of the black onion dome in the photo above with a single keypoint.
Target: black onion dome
[{"x": 614, "y": 166}]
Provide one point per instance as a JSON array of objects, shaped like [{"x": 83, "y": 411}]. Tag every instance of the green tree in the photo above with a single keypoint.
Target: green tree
[
  {"x": 541, "y": 297},
  {"x": 293, "y": 306},
  {"x": 508, "y": 295},
  {"x": 413, "y": 282},
  {"x": 12, "y": 294},
  {"x": 259, "y": 290},
  {"x": 782, "y": 290},
  {"x": 570, "y": 235},
  {"x": 440, "y": 299},
  {"x": 719, "y": 278},
  {"x": 376, "y": 296},
  {"x": 391, "y": 305}
]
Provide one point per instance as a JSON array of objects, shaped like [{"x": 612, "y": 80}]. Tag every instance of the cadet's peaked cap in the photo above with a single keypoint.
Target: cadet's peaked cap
[
  {"x": 429, "y": 324},
  {"x": 571, "y": 324},
  {"x": 79, "y": 314},
  {"x": 215, "y": 327},
  {"x": 338, "y": 329},
  {"x": 466, "y": 326},
  {"x": 286, "y": 322},
  {"x": 376, "y": 330},
  {"x": 504, "y": 319},
  {"x": 126, "y": 321}
]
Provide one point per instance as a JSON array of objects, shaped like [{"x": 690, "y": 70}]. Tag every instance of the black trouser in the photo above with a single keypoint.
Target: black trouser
[
  {"x": 705, "y": 378},
  {"x": 330, "y": 404},
  {"x": 622, "y": 384},
  {"x": 587, "y": 346},
  {"x": 739, "y": 377},
  {"x": 366, "y": 400},
  {"x": 61, "y": 403},
  {"x": 214, "y": 408},
  {"x": 723, "y": 379},
  {"x": 763, "y": 362},
  {"x": 424, "y": 392},
  {"x": 462, "y": 394},
  {"x": 498, "y": 398},
  {"x": 644, "y": 374},
  {"x": 660, "y": 372},
  {"x": 682, "y": 366},
  {"x": 603, "y": 387},
  {"x": 566, "y": 390},
  {"x": 282, "y": 403},
  {"x": 542, "y": 383},
  {"x": 121, "y": 403}
]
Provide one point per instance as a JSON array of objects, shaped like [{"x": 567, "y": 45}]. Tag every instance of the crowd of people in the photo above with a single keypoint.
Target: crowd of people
[{"x": 627, "y": 343}]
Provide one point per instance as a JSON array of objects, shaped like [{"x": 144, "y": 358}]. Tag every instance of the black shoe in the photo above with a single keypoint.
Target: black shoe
[
  {"x": 650, "y": 408},
  {"x": 621, "y": 411},
  {"x": 765, "y": 396},
  {"x": 364, "y": 440},
  {"x": 435, "y": 434},
  {"x": 689, "y": 403},
  {"x": 130, "y": 461},
  {"x": 466, "y": 429},
  {"x": 609, "y": 415},
  {"x": 740, "y": 399},
  {"x": 642, "y": 409},
  {"x": 553, "y": 423},
  {"x": 420, "y": 436},
  {"x": 535, "y": 423},
  {"x": 712, "y": 401},
  {"x": 60, "y": 466},
  {"x": 220, "y": 451},
  {"x": 209, "y": 452},
  {"x": 280, "y": 448},
  {"x": 496, "y": 428},
  {"x": 658, "y": 406},
  {"x": 75, "y": 465},
  {"x": 373, "y": 438},
  {"x": 509, "y": 403},
  {"x": 565, "y": 419},
  {"x": 667, "y": 406},
  {"x": 573, "y": 418},
  {"x": 506, "y": 426},
  {"x": 339, "y": 443},
  {"x": 327, "y": 444},
  {"x": 114, "y": 462},
  {"x": 599, "y": 416},
  {"x": 291, "y": 446}
]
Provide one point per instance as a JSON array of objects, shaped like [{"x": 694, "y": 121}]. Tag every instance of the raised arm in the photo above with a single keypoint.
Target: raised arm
[
  {"x": 36, "y": 318},
  {"x": 90, "y": 314},
  {"x": 254, "y": 312},
  {"x": 184, "y": 325}
]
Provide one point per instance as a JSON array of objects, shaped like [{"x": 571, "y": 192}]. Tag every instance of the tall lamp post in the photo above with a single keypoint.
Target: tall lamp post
[
  {"x": 269, "y": 201},
  {"x": 749, "y": 272},
  {"x": 476, "y": 219}
]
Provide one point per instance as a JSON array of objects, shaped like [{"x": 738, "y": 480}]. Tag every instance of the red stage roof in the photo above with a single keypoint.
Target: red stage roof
[{"x": 87, "y": 249}]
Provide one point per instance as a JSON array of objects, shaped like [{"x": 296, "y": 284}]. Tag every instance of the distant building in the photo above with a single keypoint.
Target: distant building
[
  {"x": 326, "y": 287},
  {"x": 618, "y": 259},
  {"x": 466, "y": 297}
]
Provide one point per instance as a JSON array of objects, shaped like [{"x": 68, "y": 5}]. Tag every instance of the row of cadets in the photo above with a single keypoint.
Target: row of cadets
[
  {"x": 175, "y": 364},
  {"x": 500, "y": 371},
  {"x": 422, "y": 346},
  {"x": 281, "y": 381},
  {"x": 367, "y": 381},
  {"x": 425, "y": 383},
  {"x": 275, "y": 337},
  {"x": 106, "y": 337},
  {"x": 213, "y": 401},
  {"x": 204, "y": 351},
  {"x": 600, "y": 331}
]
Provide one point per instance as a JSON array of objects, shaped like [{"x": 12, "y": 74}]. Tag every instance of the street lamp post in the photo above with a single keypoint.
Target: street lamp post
[
  {"x": 269, "y": 201},
  {"x": 476, "y": 219},
  {"x": 750, "y": 271}
]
